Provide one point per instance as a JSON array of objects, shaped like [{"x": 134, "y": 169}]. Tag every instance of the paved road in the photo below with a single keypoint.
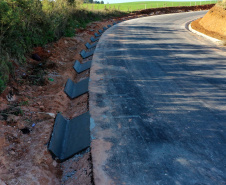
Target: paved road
[{"x": 158, "y": 105}]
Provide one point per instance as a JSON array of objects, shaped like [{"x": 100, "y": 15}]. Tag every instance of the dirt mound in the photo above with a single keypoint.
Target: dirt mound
[{"x": 213, "y": 23}]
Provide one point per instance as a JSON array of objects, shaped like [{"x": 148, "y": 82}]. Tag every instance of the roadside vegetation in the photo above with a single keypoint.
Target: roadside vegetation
[{"x": 25, "y": 24}]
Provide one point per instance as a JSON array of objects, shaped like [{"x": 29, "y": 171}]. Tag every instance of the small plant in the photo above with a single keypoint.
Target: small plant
[
  {"x": 12, "y": 110},
  {"x": 23, "y": 103},
  {"x": 2, "y": 85},
  {"x": 19, "y": 112},
  {"x": 5, "y": 69}
]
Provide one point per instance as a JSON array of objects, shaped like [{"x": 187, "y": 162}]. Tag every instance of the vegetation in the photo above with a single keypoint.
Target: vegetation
[
  {"x": 134, "y": 6},
  {"x": 25, "y": 24}
]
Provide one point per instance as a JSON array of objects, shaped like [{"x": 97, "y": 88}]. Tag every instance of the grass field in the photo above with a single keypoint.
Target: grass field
[{"x": 133, "y": 6}]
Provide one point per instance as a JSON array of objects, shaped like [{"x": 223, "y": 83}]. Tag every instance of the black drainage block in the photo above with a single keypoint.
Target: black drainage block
[
  {"x": 104, "y": 28},
  {"x": 85, "y": 54},
  {"x": 94, "y": 39},
  {"x": 114, "y": 23},
  {"x": 82, "y": 67},
  {"x": 89, "y": 46},
  {"x": 109, "y": 26},
  {"x": 74, "y": 90},
  {"x": 97, "y": 35},
  {"x": 70, "y": 136},
  {"x": 100, "y": 31}
]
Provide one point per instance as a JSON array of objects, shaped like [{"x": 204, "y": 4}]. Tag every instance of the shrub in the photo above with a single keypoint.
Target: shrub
[
  {"x": 5, "y": 69},
  {"x": 29, "y": 23}
]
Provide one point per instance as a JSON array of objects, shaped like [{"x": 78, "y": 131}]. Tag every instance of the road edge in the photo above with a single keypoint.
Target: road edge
[{"x": 212, "y": 39}]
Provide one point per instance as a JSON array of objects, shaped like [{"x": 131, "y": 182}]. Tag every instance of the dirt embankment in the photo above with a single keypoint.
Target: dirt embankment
[{"x": 213, "y": 23}]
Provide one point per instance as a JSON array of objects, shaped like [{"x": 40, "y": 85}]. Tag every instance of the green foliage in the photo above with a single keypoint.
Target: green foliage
[
  {"x": 25, "y": 24},
  {"x": 5, "y": 69},
  {"x": 29, "y": 23},
  {"x": 2, "y": 85},
  {"x": 23, "y": 103}
]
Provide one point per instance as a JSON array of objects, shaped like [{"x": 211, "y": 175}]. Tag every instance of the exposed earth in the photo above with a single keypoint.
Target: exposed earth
[
  {"x": 30, "y": 102},
  {"x": 213, "y": 23},
  {"x": 28, "y": 108}
]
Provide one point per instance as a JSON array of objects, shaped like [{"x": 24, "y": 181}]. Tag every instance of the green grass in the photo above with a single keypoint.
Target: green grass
[{"x": 134, "y": 6}]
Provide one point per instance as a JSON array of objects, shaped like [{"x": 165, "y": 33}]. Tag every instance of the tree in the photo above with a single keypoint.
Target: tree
[{"x": 102, "y": 2}]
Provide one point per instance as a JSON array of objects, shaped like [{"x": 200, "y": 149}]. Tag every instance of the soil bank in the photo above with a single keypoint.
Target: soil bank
[{"x": 213, "y": 23}]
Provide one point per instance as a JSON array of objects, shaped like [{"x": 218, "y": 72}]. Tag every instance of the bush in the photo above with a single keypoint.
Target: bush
[
  {"x": 29, "y": 23},
  {"x": 5, "y": 69}
]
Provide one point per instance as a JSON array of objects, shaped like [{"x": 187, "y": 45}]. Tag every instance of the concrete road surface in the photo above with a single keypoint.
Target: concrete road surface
[{"x": 158, "y": 105}]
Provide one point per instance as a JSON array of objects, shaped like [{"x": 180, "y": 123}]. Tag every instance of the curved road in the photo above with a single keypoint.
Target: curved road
[{"x": 158, "y": 104}]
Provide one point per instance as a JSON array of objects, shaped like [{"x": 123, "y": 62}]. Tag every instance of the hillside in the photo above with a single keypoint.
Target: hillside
[{"x": 213, "y": 23}]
